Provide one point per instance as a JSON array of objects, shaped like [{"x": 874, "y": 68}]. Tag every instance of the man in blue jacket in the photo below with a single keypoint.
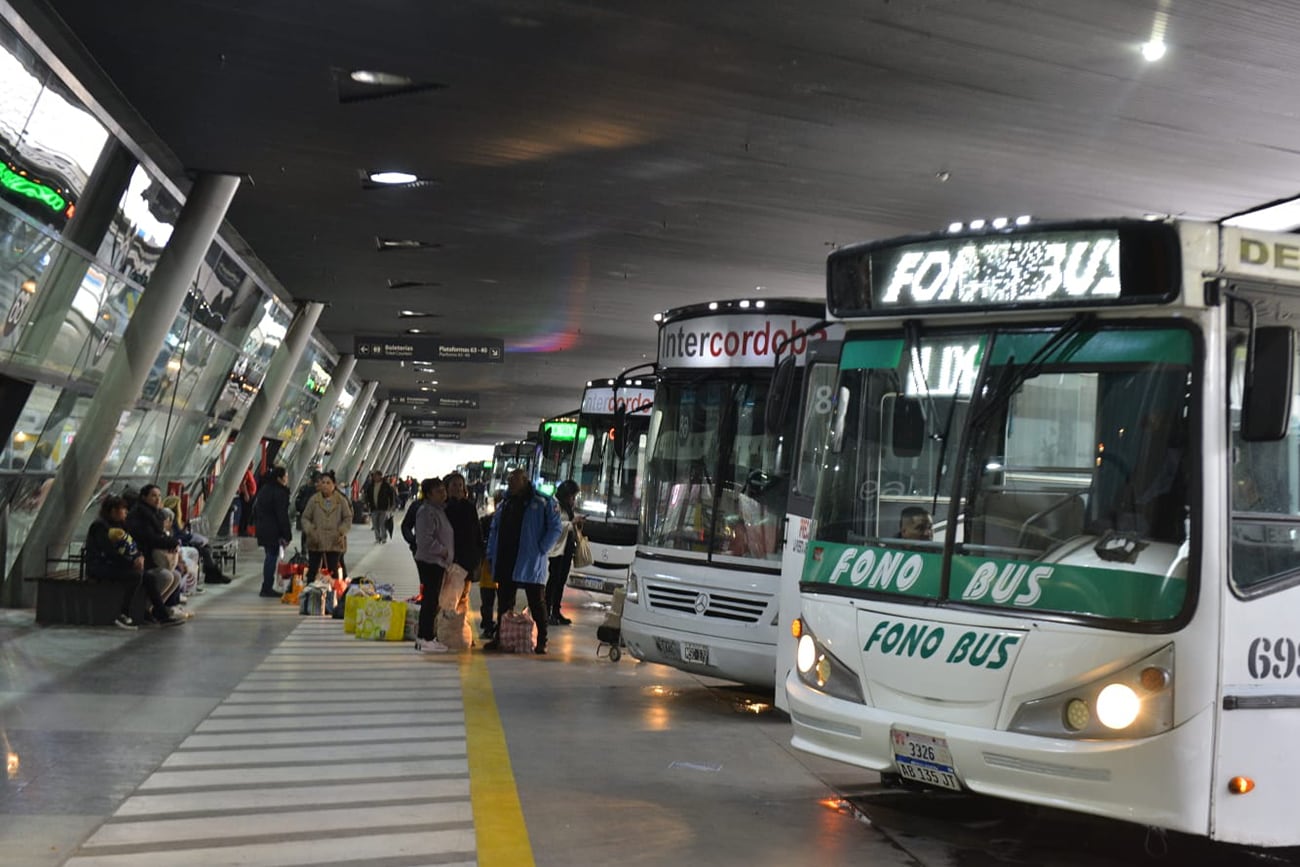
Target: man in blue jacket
[{"x": 523, "y": 531}]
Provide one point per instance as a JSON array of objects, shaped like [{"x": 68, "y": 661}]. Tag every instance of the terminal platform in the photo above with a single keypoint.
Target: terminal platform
[{"x": 255, "y": 736}]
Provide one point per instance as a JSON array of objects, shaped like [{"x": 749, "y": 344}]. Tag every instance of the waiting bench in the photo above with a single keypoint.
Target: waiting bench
[{"x": 65, "y": 596}]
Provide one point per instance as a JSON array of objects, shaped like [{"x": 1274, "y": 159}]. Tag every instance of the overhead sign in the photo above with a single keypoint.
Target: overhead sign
[
  {"x": 434, "y": 400},
  {"x": 446, "y": 422},
  {"x": 437, "y": 349},
  {"x": 435, "y": 434}
]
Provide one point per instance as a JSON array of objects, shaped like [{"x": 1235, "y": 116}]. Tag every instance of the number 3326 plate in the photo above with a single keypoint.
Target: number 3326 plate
[{"x": 924, "y": 759}]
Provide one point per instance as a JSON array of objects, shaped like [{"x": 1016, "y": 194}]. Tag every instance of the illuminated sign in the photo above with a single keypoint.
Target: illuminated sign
[
  {"x": 24, "y": 186},
  {"x": 1088, "y": 265},
  {"x": 601, "y": 401},
  {"x": 561, "y": 431},
  {"x": 476, "y": 349},
  {"x": 949, "y": 368},
  {"x": 734, "y": 341}
]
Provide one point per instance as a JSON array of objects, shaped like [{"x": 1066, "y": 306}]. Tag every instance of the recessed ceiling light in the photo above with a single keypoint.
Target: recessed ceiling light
[
  {"x": 393, "y": 177},
  {"x": 415, "y": 314},
  {"x": 1154, "y": 50},
  {"x": 411, "y": 284},
  {"x": 385, "y": 244},
  {"x": 385, "y": 79},
  {"x": 415, "y": 331}
]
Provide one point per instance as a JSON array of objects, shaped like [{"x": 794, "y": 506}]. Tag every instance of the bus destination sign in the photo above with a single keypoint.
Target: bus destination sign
[{"x": 1075, "y": 266}]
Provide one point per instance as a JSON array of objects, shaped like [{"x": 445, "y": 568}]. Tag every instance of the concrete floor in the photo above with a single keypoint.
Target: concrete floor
[{"x": 254, "y": 736}]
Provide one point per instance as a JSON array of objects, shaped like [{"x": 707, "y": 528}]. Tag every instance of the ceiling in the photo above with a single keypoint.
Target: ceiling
[{"x": 593, "y": 163}]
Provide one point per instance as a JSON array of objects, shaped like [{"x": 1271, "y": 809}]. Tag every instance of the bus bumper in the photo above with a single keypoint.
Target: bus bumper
[
  {"x": 750, "y": 662},
  {"x": 1162, "y": 780}
]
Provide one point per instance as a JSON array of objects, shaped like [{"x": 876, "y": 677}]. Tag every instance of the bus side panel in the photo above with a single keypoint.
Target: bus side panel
[
  {"x": 1259, "y": 721},
  {"x": 797, "y": 530}
]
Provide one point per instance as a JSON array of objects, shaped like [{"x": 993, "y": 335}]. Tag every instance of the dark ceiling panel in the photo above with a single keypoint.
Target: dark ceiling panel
[{"x": 595, "y": 163}]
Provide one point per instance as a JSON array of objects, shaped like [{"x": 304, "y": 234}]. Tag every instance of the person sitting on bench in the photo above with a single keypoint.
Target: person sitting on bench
[{"x": 112, "y": 555}]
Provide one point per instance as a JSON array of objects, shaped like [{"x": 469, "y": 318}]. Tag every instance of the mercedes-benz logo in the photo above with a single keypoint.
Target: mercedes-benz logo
[{"x": 701, "y": 603}]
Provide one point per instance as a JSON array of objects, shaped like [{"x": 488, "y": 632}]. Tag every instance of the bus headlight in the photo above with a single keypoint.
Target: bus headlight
[
  {"x": 631, "y": 595},
  {"x": 1118, "y": 706},
  {"x": 818, "y": 668},
  {"x": 1135, "y": 702}
]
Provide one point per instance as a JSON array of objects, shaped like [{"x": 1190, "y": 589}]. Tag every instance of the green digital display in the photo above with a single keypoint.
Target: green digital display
[
  {"x": 561, "y": 431},
  {"x": 24, "y": 186}
]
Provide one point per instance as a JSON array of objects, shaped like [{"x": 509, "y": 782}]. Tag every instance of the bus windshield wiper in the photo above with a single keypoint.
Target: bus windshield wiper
[{"x": 1012, "y": 376}]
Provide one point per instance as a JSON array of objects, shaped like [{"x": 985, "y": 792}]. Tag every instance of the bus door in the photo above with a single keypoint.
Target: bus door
[
  {"x": 816, "y": 396},
  {"x": 1256, "y": 762}
]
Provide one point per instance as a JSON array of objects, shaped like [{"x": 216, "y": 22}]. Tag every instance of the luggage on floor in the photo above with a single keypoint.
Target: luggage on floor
[
  {"x": 290, "y": 596},
  {"x": 359, "y": 591},
  {"x": 381, "y": 620},
  {"x": 516, "y": 632},
  {"x": 312, "y": 600},
  {"x": 412, "y": 630},
  {"x": 452, "y": 628},
  {"x": 453, "y": 586}
]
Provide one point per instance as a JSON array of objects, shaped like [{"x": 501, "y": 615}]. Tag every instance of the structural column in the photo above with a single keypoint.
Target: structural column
[
  {"x": 367, "y": 463},
  {"x": 406, "y": 452},
  {"x": 124, "y": 379},
  {"x": 362, "y": 447},
  {"x": 391, "y": 429},
  {"x": 385, "y": 462},
  {"x": 316, "y": 431},
  {"x": 351, "y": 425},
  {"x": 265, "y": 403}
]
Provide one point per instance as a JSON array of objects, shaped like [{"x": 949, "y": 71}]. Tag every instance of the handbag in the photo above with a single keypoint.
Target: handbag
[
  {"x": 582, "y": 551},
  {"x": 381, "y": 620}
]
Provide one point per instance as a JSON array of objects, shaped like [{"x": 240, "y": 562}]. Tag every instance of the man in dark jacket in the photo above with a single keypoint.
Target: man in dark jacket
[
  {"x": 523, "y": 531},
  {"x": 381, "y": 499},
  {"x": 145, "y": 524},
  {"x": 274, "y": 530}
]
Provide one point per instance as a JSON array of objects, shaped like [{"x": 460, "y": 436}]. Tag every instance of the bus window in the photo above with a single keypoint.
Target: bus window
[
  {"x": 816, "y": 419},
  {"x": 1265, "y": 524}
]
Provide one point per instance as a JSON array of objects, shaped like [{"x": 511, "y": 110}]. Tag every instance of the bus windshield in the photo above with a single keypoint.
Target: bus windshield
[
  {"x": 716, "y": 483},
  {"x": 1015, "y": 468},
  {"x": 608, "y": 480}
]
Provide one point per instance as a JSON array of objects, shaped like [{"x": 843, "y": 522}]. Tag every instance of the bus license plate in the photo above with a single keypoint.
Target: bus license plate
[
  {"x": 667, "y": 646},
  {"x": 698, "y": 653},
  {"x": 924, "y": 759}
]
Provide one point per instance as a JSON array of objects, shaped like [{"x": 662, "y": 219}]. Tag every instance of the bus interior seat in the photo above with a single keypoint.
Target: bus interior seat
[{"x": 1053, "y": 517}]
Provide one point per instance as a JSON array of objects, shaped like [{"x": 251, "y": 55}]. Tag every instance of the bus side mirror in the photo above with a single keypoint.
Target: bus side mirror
[
  {"x": 1266, "y": 405},
  {"x": 908, "y": 434},
  {"x": 778, "y": 395}
]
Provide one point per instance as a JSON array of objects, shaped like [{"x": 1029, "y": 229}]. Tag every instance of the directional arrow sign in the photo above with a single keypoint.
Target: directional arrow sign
[
  {"x": 437, "y": 349},
  {"x": 435, "y": 434},
  {"x": 443, "y": 400}
]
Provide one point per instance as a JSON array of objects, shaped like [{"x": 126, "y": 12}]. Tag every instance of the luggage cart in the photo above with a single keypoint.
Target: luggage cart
[{"x": 610, "y": 632}]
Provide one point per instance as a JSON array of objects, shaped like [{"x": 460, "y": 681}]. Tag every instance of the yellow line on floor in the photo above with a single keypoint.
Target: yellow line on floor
[{"x": 502, "y": 837}]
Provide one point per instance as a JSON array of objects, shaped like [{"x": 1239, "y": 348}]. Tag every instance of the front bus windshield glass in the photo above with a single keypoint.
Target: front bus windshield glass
[
  {"x": 1064, "y": 486},
  {"x": 607, "y": 479},
  {"x": 716, "y": 483}
]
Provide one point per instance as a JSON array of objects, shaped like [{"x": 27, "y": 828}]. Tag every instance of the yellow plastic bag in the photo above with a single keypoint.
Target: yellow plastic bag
[
  {"x": 381, "y": 620},
  {"x": 361, "y": 590}
]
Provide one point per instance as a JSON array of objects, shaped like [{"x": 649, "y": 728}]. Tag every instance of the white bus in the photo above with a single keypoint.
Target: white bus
[
  {"x": 609, "y": 463},
  {"x": 703, "y": 592},
  {"x": 1095, "y": 419}
]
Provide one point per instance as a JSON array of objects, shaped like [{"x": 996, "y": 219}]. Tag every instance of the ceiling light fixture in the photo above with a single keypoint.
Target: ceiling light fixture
[
  {"x": 415, "y": 314},
  {"x": 386, "y": 244},
  {"x": 415, "y": 331},
  {"x": 393, "y": 177},
  {"x": 379, "y": 79},
  {"x": 1280, "y": 216},
  {"x": 1154, "y": 50},
  {"x": 411, "y": 284}
]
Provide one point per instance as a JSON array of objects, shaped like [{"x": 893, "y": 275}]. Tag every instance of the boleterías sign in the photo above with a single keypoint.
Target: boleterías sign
[{"x": 440, "y": 349}]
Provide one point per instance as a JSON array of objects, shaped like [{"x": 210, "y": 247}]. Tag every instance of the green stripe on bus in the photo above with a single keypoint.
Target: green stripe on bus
[
  {"x": 1010, "y": 584},
  {"x": 871, "y": 354},
  {"x": 1163, "y": 346}
]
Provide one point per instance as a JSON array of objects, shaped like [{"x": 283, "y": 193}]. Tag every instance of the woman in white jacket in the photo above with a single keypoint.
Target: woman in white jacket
[{"x": 560, "y": 556}]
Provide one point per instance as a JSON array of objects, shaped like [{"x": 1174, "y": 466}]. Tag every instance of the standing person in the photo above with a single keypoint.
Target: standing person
[
  {"x": 434, "y": 547},
  {"x": 247, "y": 491},
  {"x": 380, "y": 498},
  {"x": 464, "y": 525},
  {"x": 300, "y": 499},
  {"x": 561, "y": 554},
  {"x": 271, "y": 521},
  {"x": 487, "y": 588},
  {"x": 325, "y": 523},
  {"x": 523, "y": 531}
]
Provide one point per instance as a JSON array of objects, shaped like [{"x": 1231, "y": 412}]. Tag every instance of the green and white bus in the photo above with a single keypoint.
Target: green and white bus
[{"x": 1055, "y": 548}]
